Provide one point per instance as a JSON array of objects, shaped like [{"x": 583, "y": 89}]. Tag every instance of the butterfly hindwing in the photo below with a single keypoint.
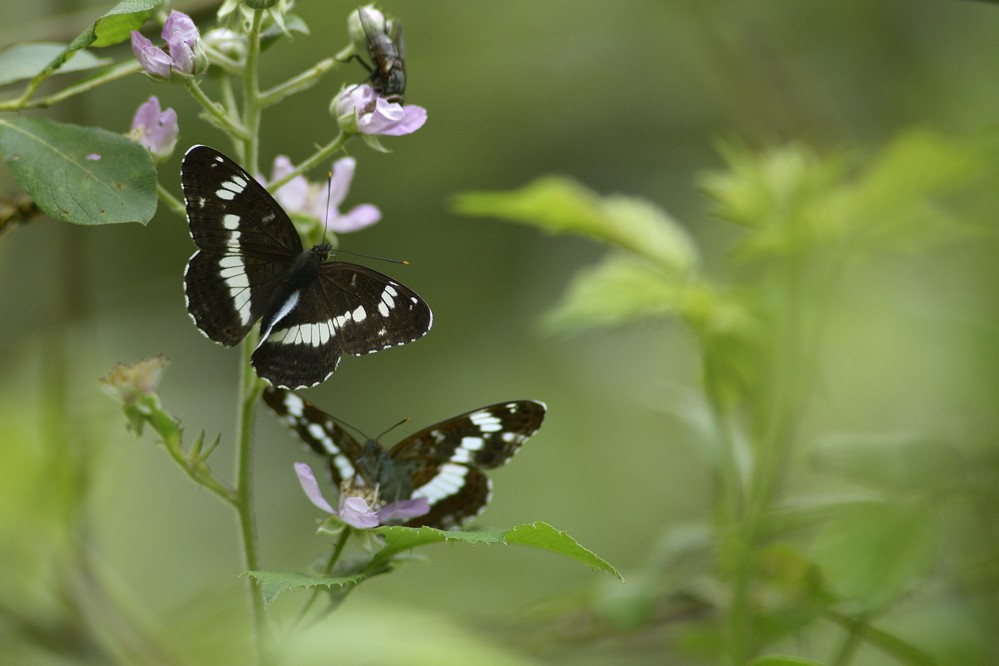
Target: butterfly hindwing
[
  {"x": 451, "y": 454},
  {"x": 250, "y": 266},
  {"x": 319, "y": 432}
]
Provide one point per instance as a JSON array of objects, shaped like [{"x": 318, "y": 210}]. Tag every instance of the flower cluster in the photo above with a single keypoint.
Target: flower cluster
[
  {"x": 355, "y": 510},
  {"x": 183, "y": 56}
]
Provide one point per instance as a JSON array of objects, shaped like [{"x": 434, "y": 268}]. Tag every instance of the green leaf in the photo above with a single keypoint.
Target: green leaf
[
  {"x": 111, "y": 28},
  {"x": 53, "y": 163},
  {"x": 782, "y": 660},
  {"x": 891, "y": 462},
  {"x": 535, "y": 535},
  {"x": 561, "y": 205},
  {"x": 622, "y": 289},
  {"x": 872, "y": 552},
  {"x": 23, "y": 61},
  {"x": 273, "y": 584}
]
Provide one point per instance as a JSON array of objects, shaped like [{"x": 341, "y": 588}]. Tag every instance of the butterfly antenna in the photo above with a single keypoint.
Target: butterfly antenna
[
  {"x": 348, "y": 426},
  {"x": 388, "y": 430},
  {"x": 329, "y": 197},
  {"x": 370, "y": 256}
]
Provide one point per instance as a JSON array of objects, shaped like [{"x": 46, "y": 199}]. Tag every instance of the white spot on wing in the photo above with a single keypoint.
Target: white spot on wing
[
  {"x": 230, "y": 221},
  {"x": 383, "y": 309},
  {"x": 486, "y": 422}
]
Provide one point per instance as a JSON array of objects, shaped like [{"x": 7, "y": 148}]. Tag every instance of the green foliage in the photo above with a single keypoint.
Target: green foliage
[
  {"x": 52, "y": 162},
  {"x": 561, "y": 205},
  {"x": 24, "y": 61},
  {"x": 872, "y": 552},
  {"x": 274, "y": 584},
  {"x": 397, "y": 541}
]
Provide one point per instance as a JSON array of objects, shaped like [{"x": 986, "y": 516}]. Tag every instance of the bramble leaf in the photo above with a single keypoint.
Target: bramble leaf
[
  {"x": 82, "y": 175},
  {"x": 273, "y": 584}
]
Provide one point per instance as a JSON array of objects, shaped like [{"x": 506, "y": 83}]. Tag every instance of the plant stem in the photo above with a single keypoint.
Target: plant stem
[
  {"x": 218, "y": 114},
  {"x": 112, "y": 73},
  {"x": 172, "y": 202},
  {"x": 326, "y": 571},
  {"x": 250, "y": 386},
  {"x": 303, "y": 81},
  {"x": 318, "y": 157}
]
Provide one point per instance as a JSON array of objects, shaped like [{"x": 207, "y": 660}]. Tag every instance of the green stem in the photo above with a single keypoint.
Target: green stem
[
  {"x": 326, "y": 571},
  {"x": 113, "y": 73},
  {"x": 215, "y": 111},
  {"x": 250, "y": 386},
  {"x": 251, "y": 97},
  {"x": 899, "y": 650},
  {"x": 296, "y": 84},
  {"x": 317, "y": 158},
  {"x": 172, "y": 202}
]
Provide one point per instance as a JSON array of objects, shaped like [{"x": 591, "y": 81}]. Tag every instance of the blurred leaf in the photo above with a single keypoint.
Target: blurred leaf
[
  {"x": 23, "y": 61},
  {"x": 783, "y": 660},
  {"x": 273, "y": 584},
  {"x": 892, "y": 462},
  {"x": 55, "y": 164},
  {"x": 535, "y": 535},
  {"x": 273, "y": 33},
  {"x": 561, "y": 205},
  {"x": 622, "y": 289},
  {"x": 873, "y": 552},
  {"x": 904, "y": 196}
]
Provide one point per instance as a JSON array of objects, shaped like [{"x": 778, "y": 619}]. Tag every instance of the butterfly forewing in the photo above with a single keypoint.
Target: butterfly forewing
[
  {"x": 251, "y": 266},
  {"x": 442, "y": 463},
  {"x": 319, "y": 432}
]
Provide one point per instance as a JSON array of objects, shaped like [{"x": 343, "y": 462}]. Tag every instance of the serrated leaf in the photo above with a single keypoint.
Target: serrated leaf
[
  {"x": 872, "y": 552},
  {"x": 621, "y": 289},
  {"x": 534, "y": 535},
  {"x": 561, "y": 205},
  {"x": 23, "y": 61},
  {"x": 273, "y": 584},
  {"x": 82, "y": 175}
]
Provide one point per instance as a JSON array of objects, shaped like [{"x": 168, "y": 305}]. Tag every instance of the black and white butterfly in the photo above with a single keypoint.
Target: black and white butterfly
[
  {"x": 443, "y": 463},
  {"x": 388, "y": 55},
  {"x": 251, "y": 265}
]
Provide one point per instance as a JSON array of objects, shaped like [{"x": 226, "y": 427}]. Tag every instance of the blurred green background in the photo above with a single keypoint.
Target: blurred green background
[{"x": 629, "y": 97}]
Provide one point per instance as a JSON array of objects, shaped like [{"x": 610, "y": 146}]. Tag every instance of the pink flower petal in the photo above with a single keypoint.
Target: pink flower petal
[
  {"x": 343, "y": 176},
  {"x": 311, "y": 487},
  {"x": 357, "y": 218},
  {"x": 355, "y": 512},
  {"x": 404, "y": 510}
]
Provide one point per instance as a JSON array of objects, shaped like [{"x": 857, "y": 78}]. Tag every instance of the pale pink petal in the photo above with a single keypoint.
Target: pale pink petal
[
  {"x": 311, "y": 487},
  {"x": 404, "y": 510},
  {"x": 343, "y": 176},
  {"x": 356, "y": 219},
  {"x": 355, "y": 512}
]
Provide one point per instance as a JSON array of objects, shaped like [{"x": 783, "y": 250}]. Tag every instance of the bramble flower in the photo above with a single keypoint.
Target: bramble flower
[
  {"x": 129, "y": 382},
  {"x": 355, "y": 510},
  {"x": 302, "y": 197},
  {"x": 183, "y": 56},
  {"x": 154, "y": 129},
  {"x": 360, "y": 110}
]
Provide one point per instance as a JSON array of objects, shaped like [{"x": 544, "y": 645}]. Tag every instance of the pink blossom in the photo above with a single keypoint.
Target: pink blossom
[
  {"x": 300, "y": 196},
  {"x": 182, "y": 55},
  {"x": 354, "y": 510},
  {"x": 154, "y": 129},
  {"x": 360, "y": 109}
]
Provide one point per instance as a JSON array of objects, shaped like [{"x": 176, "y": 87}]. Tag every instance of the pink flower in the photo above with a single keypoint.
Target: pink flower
[
  {"x": 300, "y": 196},
  {"x": 154, "y": 129},
  {"x": 359, "y": 109},
  {"x": 181, "y": 59},
  {"x": 355, "y": 510}
]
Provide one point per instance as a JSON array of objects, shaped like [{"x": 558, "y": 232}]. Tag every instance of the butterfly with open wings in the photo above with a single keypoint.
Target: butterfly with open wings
[
  {"x": 443, "y": 463},
  {"x": 251, "y": 265}
]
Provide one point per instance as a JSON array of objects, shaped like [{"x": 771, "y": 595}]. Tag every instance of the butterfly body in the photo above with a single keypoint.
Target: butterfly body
[
  {"x": 443, "y": 463},
  {"x": 251, "y": 265}
]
